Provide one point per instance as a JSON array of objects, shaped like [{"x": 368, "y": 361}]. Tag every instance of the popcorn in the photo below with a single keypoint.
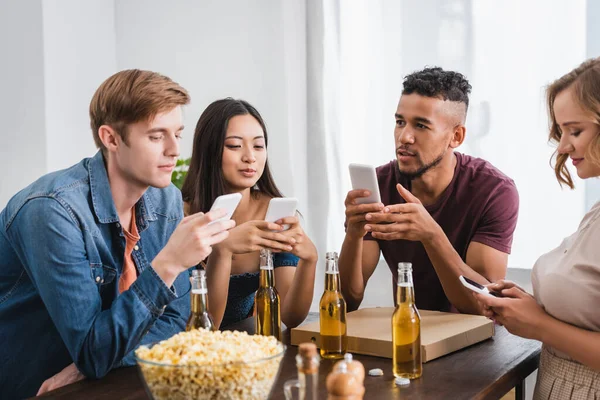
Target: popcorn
[{"x": 202, "y": 364}]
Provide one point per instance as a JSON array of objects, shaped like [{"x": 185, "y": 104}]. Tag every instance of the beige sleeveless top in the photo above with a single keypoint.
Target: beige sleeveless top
[{"x": 566, "y": 281}]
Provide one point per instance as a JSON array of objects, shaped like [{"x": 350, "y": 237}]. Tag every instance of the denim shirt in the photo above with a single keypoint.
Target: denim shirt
[{"x": 61, "y": 256}]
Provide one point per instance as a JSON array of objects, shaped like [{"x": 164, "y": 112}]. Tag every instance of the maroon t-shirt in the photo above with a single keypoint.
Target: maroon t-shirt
[{"x": 480, "y": 205}]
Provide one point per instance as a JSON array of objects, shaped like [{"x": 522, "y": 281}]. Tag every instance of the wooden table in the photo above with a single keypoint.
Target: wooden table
[{"x": 487, "y": 370}]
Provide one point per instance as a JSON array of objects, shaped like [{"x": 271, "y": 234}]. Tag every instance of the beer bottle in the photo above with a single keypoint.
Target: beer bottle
[
  {"x": 199, "y": 317},
  {"x": 332, "y": 312},
  {"x": 406, "y": 328},
  {"x": 266, "y": 299}
]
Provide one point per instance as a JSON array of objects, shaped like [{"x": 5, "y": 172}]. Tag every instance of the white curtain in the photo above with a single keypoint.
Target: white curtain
[{"x": 358, "y": 53}]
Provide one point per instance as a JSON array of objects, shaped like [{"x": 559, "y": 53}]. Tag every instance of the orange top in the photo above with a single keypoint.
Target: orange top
[{"x": 129, "y": 274}]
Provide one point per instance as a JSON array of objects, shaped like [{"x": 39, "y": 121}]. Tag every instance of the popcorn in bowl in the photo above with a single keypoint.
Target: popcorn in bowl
[{"x": 202, "y": 364}]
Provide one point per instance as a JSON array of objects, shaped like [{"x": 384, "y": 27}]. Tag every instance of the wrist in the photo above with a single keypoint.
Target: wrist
[
  {"x": 355, "y": 235},
  {"x": 543, "y": 327},
  {"x": 435, "y": 237},
  {"x": 221, "y": 251},
  {"x": 310, "y": 258},
  {"x": 165, "y": 268}
]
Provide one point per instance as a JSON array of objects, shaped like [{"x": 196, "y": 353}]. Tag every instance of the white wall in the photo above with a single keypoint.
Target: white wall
[
  {"x": 248, "y": 50},
  {"x": 79, "y": 54},
  {"x": 23, "y": 149},
  {"x": 57, "y": 53},
  {"x": 254, "y": 51},
  {"x": 515, "y": 57}
]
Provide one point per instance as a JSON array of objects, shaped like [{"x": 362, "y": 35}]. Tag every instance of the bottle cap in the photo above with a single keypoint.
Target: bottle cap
[{"x": 402, "y": 381}]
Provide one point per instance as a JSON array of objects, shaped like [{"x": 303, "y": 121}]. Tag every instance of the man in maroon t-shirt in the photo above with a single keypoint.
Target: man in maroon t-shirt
[{"x": 447, "y": 213}]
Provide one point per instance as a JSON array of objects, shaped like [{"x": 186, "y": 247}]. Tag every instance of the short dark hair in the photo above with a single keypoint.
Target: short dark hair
[{"x": 435, "y": 82}]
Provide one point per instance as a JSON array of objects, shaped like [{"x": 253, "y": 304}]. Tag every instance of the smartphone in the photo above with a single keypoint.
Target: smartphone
[
  {"x": 281, "y": 207},
  {"x": 228, "y": 202},
  {"x": 364, "y": 177},
  {"x": 476, "y": 287}
]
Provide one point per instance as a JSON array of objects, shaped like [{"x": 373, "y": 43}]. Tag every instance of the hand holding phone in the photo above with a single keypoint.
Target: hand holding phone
[
  {"x": 364, "y": 177},
  {"x": 229, "y": 203},
  {"x": 476, "y": 287},
  {"x": 281, "y": 207}
]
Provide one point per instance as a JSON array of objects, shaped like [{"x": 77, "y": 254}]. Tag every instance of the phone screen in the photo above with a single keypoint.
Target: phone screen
[
  {"x": 472, "y": 282},
  {"x": 477, "y": 285}
]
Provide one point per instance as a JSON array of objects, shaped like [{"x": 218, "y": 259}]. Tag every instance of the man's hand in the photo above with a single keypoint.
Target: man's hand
[
  {"x": 65, "y": 377},
  {"x": 256, "y": 235},
  {"x": 190, "y": 243},
  {"x": 408, "y": 221},
  {"x": 355, "y": 213}
]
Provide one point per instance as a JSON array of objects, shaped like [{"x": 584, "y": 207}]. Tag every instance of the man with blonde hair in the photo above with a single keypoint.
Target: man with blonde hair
[{"x": 91, "y": 257}]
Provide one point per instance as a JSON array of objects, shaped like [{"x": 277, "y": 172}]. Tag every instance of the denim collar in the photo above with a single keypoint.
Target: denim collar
[{"x": 102, "y": 200}]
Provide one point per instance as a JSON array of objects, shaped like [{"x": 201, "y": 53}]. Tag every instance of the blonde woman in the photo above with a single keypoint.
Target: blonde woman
[{"x": 563, "y": 313}]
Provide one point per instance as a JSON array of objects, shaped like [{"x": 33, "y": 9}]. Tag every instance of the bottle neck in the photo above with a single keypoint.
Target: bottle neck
[
  {"x": 405, "y": 295},
  {"x": 332, "y": 281},
  {"x": 199, "y": 302},
  {"x": 332, "y": 273},
  {"x": 405, "y": 292},
  {"x": 199, "y": 295},
  {"x": 266, "y": 277}
]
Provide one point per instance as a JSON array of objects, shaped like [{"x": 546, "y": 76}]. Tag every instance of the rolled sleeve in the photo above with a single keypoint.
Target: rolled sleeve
[
  {"x": 152, "y": 291},
  {"x": 50, "y": 242}
]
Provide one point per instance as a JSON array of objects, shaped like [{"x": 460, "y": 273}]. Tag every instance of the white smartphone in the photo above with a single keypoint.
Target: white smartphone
[
  {"x": 281, "y": 207},
  {"x": 228, "y": 202},
  {"x": 476, "y": 287},
  {"x": 364, "y": 177}
]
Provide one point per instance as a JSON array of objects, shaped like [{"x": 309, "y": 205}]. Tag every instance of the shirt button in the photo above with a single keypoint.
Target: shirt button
[
  {"x": 136, "y": 247},
  {"x": 118, "y": 225},
  {"x": 102, "y": 281},
  {"x": 97, "y": 279}
]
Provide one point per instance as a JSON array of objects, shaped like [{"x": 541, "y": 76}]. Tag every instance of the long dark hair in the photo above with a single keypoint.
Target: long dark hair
[{"x": 205, "y": 181}]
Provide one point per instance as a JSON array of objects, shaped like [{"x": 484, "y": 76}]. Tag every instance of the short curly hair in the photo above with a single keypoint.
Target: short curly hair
[{"x": 435, "y": 82}]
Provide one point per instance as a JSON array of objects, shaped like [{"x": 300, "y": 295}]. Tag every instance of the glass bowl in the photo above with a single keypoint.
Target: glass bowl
[{"x": 248, "y": 379}]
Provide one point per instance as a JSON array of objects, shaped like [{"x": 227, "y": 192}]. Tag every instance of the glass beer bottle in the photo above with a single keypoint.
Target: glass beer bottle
[
  {"x": 266, "y": 299},
  {"x": 199, "y": 317},
  {"x": 332, "y": 312},
  {"x": 406, "y": 328}
]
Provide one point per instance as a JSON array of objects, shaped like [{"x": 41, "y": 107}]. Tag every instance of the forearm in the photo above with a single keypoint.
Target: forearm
[
  {"x": 218, "y": 273},
  {"x": 298, "y": 298},
  {"x": 580, "y": 344},
  {"x": 171, "y": 322},
  {"x": 351, "y": 274},
  {"x": 99, "y": 341},
  {"x": 165, "y": 268},
  {"x": 449, "y": 266}
]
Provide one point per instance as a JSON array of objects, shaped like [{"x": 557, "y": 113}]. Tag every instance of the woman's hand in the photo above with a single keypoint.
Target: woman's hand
[
  {"x": 253, "y": 236},
  {"x": 517, "y": 310},
  {"x": 303, "y": 247},
  {"x": 502, "y": 284},
  {"x": 497, "y": 287}
]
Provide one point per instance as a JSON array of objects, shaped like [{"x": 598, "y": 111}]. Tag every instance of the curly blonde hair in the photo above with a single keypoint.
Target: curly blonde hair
[{"x": 585, "y": 82}]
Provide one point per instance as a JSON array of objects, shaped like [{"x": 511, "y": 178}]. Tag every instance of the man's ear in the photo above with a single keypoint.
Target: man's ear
[
  {"x": 458, "y": 136},
  {"x": 109, "y": 138}
]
